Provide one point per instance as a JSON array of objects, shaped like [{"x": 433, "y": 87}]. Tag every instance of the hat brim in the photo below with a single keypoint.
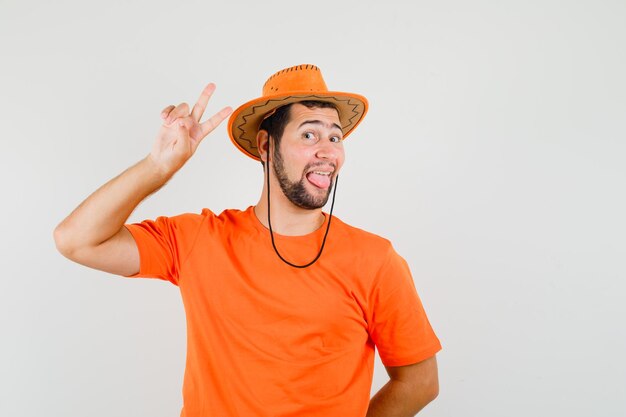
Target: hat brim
[{"x": 244, "y": 123}]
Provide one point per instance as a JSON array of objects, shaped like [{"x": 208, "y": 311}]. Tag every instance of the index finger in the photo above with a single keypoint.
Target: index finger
[{"x": 200, "y": 106}]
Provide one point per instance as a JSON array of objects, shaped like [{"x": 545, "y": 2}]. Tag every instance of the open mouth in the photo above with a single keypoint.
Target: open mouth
[{"x": 319, "y": 178}]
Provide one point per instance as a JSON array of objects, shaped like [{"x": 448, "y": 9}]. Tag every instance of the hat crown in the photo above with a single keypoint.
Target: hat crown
[{"x": 297, "y": 78}]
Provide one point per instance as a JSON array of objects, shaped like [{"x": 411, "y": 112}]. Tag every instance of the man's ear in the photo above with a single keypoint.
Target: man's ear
[{"x": 262, "y": 142}]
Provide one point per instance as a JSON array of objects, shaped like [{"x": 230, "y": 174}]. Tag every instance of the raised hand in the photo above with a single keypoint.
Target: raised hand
[{"x": 182, "y": 132}]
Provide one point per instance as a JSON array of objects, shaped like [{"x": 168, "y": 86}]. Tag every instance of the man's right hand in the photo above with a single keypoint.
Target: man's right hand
[
  {"x": 182, "y": 132},
  {"x": 94, "y": 233}
]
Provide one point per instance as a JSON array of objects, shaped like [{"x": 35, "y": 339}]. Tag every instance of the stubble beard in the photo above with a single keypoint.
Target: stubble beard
[{"x": 296, "y": 191}]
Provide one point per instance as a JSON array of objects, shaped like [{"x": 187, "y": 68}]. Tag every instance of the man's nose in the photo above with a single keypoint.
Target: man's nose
[{"x": 327, "y": 150}]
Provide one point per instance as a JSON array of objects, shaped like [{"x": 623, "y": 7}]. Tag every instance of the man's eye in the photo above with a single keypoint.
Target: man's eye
[
  {"x": 309, "y": 135},
  {"x": 335, "y": 139}
]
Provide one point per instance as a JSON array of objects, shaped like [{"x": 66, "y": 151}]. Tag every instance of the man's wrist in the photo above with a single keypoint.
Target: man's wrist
[{"x": 154, "y": 170}]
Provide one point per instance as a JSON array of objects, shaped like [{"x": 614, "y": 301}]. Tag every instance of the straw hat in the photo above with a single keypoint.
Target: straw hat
[{"x": 290, "y": 85}]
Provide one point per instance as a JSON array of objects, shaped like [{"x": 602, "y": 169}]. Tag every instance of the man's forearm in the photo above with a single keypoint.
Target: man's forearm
[
  {"x": 398, "y": 399},
  {"x": 104, "y": 212}
]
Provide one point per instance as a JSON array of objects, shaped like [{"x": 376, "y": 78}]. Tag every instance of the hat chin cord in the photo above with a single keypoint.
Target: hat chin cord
[{"x": 269, "y": 222}]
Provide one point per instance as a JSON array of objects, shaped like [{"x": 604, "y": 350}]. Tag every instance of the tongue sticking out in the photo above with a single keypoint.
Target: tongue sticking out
[{"x": 320, "y": 181}]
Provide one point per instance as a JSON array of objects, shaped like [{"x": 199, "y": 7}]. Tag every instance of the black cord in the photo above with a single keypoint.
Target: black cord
[{"x": 270, "y": 222}]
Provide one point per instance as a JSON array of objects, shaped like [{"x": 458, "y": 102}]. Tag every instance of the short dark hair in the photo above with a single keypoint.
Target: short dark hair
[{"x": 275, "y": 124}]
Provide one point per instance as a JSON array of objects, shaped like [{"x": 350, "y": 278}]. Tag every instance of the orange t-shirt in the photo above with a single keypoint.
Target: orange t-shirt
[{"x": 267, "y": 339}]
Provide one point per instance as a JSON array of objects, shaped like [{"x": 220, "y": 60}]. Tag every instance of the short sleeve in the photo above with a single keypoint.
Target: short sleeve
[
  {"x": 397, "y": 322},
  {"x": 164, "y": 244}
]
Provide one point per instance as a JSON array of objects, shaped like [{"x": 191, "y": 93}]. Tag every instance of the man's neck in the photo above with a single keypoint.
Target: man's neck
[{"x": 287, "y": 218}]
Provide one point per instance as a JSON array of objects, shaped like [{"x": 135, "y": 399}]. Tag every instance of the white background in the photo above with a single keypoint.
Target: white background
[{"x": 492, "y": 156}]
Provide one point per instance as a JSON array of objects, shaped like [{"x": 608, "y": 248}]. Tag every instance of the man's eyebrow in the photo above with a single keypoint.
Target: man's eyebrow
[{"x": 319, "y": 122}]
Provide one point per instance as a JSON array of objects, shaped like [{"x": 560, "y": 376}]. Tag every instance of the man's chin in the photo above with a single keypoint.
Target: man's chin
[
  {"x": 310, "y": 205},
  {"x": 312, "y": 201},
  {"x": 318, "y": 196}
]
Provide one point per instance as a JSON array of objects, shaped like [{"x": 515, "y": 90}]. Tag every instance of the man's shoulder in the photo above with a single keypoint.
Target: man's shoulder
[
  {"x": 204, "y": 215},
  {"x": 360, "y": 237},
  {"x": 230, "y": 216}
]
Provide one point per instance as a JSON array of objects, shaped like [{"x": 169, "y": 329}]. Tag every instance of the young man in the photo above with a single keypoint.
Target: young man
[{"x": 284, "y": 311}]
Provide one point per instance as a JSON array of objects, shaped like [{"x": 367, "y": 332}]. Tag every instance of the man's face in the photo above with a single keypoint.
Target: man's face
[{"x": 310, "y": 155}]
